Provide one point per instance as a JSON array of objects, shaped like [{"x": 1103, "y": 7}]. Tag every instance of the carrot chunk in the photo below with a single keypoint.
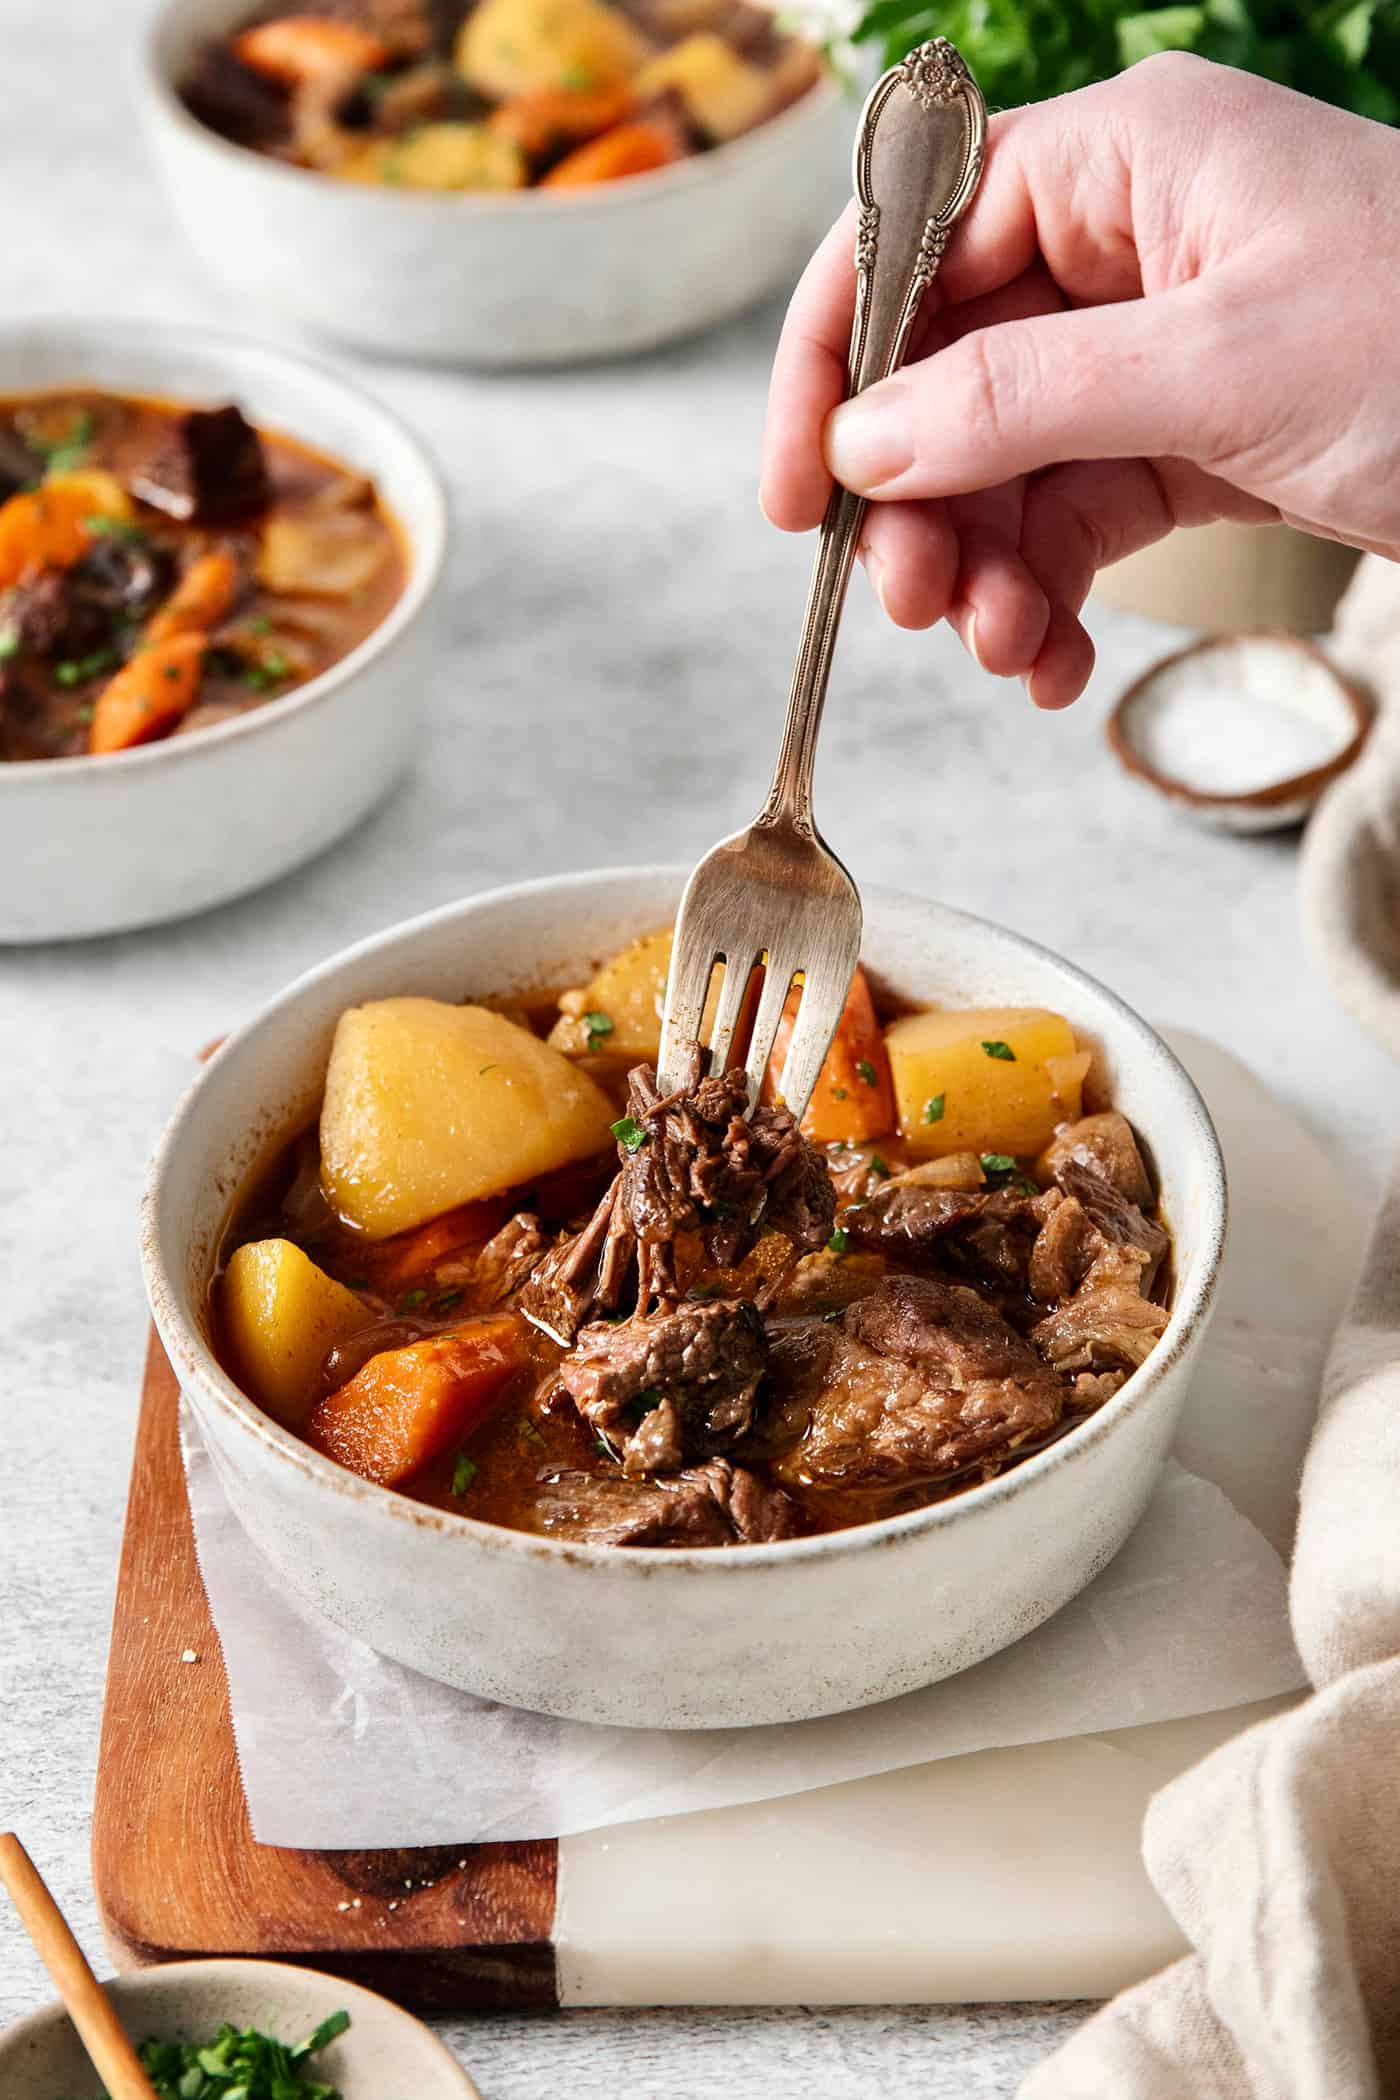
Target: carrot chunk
[
  {"x": 628, "y": 149},
  {"x": 297, "y": 49},
  {"x": 199, "y": 600},
  {"x": 550, "y": 118},
  {"x": 410, "y": 1255},
  {"x": 52, "y": 526},
  {"x": 149, "y": 694},
  {"x": 407, "y": 1405},
  {"x": 853, "y": 1099}
]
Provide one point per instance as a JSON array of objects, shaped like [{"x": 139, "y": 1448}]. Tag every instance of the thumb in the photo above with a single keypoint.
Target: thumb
[{"x": 1136, "y": 379}]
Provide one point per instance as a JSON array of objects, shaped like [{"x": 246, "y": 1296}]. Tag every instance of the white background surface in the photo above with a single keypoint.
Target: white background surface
[{"x": 616, "y": 639}]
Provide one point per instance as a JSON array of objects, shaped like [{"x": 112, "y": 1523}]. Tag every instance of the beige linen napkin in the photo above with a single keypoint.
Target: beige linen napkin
[{"x": 1279, "y": 1856}]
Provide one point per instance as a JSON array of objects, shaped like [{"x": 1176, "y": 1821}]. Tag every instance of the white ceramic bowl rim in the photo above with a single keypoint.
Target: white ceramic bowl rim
[
  {"x": 426, "y": 548},
  {"x": 196, "y": 1360},
  {"x": 603, "y": 196}
]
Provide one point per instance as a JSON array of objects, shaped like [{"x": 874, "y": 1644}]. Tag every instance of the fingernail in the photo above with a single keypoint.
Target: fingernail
[
  {"x": 867, "y": 440},
  {"x": 970, "y": 638},
  {"x": 875, "y": 570}
]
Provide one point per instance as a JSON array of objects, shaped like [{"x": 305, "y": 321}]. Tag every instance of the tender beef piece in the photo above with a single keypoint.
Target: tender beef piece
[
  {"x": 1119, "y": 1222},
  {"x": 1107, "y": 1325},
  {"x": 500, "y": 1268},
  {"x": 954, "y": 1387},
  {"x": 706, "y": 1358},
  {"x": 990, "y": 1233},
  {"x": 1064, "y": 1252},
  {"x": 704, "y": 1168},
  {"x": 714, "y": 1505},
  {"x": 125, "y": 574},
  {"x": 234, "y": 100},
  {"x": 18, "y": 465},
  {"x": 210, "y": 470},
  {"x": 52, "y": 617},
  {"x": 1105, "y": 1144}
]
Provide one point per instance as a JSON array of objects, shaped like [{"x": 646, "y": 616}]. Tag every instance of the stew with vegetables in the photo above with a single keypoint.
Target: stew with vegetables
[
  {"x": 499, "y": 95},
  {"x": 504, "y": 1275},
  {"x": 164, "y": 568}
]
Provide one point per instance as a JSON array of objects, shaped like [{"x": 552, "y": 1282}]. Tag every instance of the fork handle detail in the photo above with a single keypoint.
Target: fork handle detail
[{"x": 918, "y": 157}]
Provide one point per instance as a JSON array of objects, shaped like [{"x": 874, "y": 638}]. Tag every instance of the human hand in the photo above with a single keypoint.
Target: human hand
[{"x": 1172, "y": 301}]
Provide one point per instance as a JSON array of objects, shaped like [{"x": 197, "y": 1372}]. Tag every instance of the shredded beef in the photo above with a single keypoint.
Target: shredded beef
[
  {"x": 987, "y": 1235},
  {"x": 1107, "y": 1325},
  {"x": 718, "y": 1504},
  {"x": 706, "y": 1359},
  {"x": 210, "y": 470}
]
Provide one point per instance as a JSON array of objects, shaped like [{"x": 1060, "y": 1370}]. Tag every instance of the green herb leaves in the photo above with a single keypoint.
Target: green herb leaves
[
  {"x": 464, "y": 1472},
  {"x": 998, "y": 1163},
  {"x": 78, "y": 670},
  {"x": 840, "y": 1240},
  {"x": 241, "y": 2064},
  {"x": 9, "y": 643},
  {"x": 1002, "y": 1050},
  {"x": 62, "y": 455},
  {"x": 1001, "y": 1168},
  {"x": 630, "y": 1134},
  {"x": 599, "y": 1027},
  {"x": 867, "y": 1072},
  {"x": 933, "y": 1108}
]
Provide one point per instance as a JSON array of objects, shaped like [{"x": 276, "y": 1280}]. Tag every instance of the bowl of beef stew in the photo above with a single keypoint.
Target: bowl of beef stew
[
  {"x": 657, "y": 1412},
  {"x": 514, "y": 182},
  {"x": 214, "y": 560}
]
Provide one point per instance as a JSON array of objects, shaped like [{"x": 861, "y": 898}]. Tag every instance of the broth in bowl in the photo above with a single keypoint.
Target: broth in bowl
[{"x": 506, "y": 1277}]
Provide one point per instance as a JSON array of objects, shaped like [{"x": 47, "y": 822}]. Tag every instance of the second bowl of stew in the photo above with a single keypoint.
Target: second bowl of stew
[
  {"x": 214, "y": 562},
  {"x": 654, "y": 1411}
]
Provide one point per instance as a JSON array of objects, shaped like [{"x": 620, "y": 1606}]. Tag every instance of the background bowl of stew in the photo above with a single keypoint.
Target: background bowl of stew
[
  {"x": 98, "y": 845},
  {"x": 673, "y": 1637},
  {"x": 530, "y": 277}
]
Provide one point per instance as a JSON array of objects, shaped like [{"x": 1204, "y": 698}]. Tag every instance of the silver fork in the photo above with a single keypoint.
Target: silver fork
[{"x": 776, "y": 893}]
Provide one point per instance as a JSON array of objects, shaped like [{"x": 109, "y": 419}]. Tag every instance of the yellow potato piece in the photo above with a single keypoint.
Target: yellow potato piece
[
  {"x": 511, "y": 47},
  {"x": 988, "y": 1102},
  {"x": 630, "y": 991},
  {"x": 281, "y": 1314},
  {"x": 429, "y": 1105},
  {"x": 722, "y": 92},
  {"x": 440, "y": 157}
]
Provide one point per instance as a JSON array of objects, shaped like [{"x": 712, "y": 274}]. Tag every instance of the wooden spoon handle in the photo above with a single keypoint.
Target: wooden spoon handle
[{"x": 89, "y": 2007}]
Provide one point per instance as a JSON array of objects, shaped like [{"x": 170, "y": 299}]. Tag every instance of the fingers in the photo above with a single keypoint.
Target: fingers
[
  {"x": 809, "y": 378},
  {"x": 911, "y": 555},
  {"x": 1113, "y": 382}
]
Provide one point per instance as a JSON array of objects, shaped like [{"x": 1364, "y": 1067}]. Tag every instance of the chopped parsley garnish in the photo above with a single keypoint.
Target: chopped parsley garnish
[
  {"x": 630, "y": 1134},
  {"x": 598, "y": 1026},
  {"x": 1002, "y": 1050},
  {"x": 464, "y": 1472},
  {"x": 61, "y": 455},
  {"x": 643, "y": 1403},
  {"x": 528, "y": 1433},
  {"x": 838, "y": 1093},
  {"x": 840, "y": 1240},
  {"x": 241, "y": 2064},
  {"x": 998, "y": 1163},
  {"x": 261, "y": 623},
  {"x": 702, "y": 1291},
  {"x": 77, "y": 670},
  {"x": 86, "y": 712},
  {"x": 867, "y": 1071},
  {"x": 878, "y": 1166},
  {"x": 411, "y": 1300},
  {"x": 270, "y": 670},
  {"x": 603, "y": 1448},
  {"x": 112, "y": 528},
  {"x": 9, "y": 643},
  {"x": 446, "y": 1300},
  {"x": 933, "y": 1108}
]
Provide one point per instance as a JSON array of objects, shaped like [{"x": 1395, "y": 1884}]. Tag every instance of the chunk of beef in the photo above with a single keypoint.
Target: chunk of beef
[
  {"x": 1119, "y": 1222},
  {"x": 235, "y": 100},
  {"x": 1064, "y": 1252},
  {"x": 50, "y": 616},
  {"x": 916, "y": 1382},
  {"x": 714, "y": 1505},
  {"x": 989, "y": 1233},
  {"x": 501, "y": 1266},
  {"x": 1106, "y": 1146},
  {"x": 703, "y": 1167},
  {"x": 1107, "y": 1325},
  {"x": 706, "y": 1359},
  {"x": 18, "y": 465},
  {"x": 125, "y": 574},
  {"x": 209, "y": 471}
]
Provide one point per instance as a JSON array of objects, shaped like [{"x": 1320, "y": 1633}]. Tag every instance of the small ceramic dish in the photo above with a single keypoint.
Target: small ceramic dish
[
  {"x": 536, "y": 277},
  {"x": 674, "y": 1637},
  {"x": 1241, "y": 731},
  {"x": 383, "y": 2052},
  {"x": 99, "y": 845}
]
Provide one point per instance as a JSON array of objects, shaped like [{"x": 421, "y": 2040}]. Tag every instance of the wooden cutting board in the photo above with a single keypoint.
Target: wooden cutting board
[{"x": 1007, "y": 1874}]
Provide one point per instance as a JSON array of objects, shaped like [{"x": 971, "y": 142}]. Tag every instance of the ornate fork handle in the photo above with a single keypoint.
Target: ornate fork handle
[{"x": 918, "y": 157}]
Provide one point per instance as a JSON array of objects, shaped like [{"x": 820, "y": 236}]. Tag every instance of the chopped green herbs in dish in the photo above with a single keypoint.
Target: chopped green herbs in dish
[{"x": 242, "y": 2064}]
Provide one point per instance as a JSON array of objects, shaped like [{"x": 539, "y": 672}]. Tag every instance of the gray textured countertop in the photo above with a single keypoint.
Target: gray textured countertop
[{"x": 613, "y": 591}]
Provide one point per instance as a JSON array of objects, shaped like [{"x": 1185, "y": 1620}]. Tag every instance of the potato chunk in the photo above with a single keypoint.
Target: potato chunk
[
  {"x": 440, "y": 157},
  {"x": 429, "y": 1105},
  {"x": 407, "y": 1405},
  {"x": 511, "y": 47},
  {"x": 723, "y": 94},
  {"x": 983, "y": 1080},
  {"x": 629, "y": 992},
  {"x": 281, "y": 1316}
]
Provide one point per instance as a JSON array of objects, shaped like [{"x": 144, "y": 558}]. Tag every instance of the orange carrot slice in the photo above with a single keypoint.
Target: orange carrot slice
[
  {"x": 542, "y": 122},
  {"x": 853, "y": 1099},
  {"x": 199, "y": 600},
  {"x": 297, "y": 49},
  {"x": 149, "y": 694},
  {"x": 410, "y": 1255},
  {"x": 407, "y": 1405},
  {"x": 628, "y": 149}
]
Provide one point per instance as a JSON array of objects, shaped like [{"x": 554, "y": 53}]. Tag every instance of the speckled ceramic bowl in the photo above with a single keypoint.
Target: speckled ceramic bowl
[
  {"x": 383, "y": 2053},
  {"x": 673, "y": 1638}
]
